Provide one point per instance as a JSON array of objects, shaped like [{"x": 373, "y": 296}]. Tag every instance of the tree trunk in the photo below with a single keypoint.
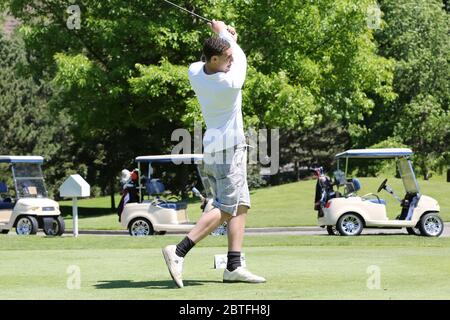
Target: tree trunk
[
  {"x": 426, "y": 174},
  {"x": 111, "y": 192},
  {"x": 448, "y": 175}
]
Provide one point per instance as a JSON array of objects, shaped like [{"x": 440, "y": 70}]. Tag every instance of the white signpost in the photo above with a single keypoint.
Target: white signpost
[{"x": 75, "y": 187}]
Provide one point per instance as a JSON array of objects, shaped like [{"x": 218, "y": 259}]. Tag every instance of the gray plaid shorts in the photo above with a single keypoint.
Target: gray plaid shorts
[{"x": 227, "y": 174}]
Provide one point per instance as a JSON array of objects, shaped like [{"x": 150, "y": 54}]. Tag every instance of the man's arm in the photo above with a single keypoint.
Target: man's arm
[{"x": 239, "y": 68}]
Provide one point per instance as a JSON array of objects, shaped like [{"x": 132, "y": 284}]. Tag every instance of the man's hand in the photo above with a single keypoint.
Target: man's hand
[
  {"x": 233, "y": 33},
  {"x": 219, "y": 26}
]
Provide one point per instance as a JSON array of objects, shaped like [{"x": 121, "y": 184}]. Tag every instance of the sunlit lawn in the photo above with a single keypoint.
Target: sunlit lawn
[{"x": 296, "y": 267}]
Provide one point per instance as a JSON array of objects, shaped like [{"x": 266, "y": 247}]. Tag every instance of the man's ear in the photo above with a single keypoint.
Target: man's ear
[{"x": 214, "y": 59}]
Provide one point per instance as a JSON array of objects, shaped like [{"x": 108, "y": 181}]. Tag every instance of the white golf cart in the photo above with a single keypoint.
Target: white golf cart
[
  {"x": 29, "y": 208},
  {"x": 156, "y": 215},
  {"x": 347, "y": 214}
]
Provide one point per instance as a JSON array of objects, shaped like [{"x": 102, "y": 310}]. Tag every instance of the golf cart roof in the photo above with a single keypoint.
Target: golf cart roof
[
  {"x": 171, "y": 158},
  {"x": 21, "y": 159},
  {"x": 375, "y": 153}
]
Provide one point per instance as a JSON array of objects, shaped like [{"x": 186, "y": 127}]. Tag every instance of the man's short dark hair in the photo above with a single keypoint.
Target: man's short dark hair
[{"x": 214, "y": 46}]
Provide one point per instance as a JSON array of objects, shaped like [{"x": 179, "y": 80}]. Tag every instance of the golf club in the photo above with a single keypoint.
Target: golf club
[{"x": 192, "y": 13}]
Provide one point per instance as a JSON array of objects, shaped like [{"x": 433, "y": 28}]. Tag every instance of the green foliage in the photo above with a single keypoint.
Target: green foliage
[
  {"x": 316, "y": 71},
  {"x": 416, "y": 35},
  {"x": 254, "y": 179},
  {"x": 28, "y": 126},
  {"x": 425, "y": 126},
  {"x": 321, "y": 53},
  {"x": 271, "y": 101},
  {"x": 314, "y": 146},
  {"x": 324, "y": 46},
  {"x": 165, "y": 88}
]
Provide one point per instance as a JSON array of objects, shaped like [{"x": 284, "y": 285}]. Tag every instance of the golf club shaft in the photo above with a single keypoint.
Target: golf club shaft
[{"x": 194, "y": 14}]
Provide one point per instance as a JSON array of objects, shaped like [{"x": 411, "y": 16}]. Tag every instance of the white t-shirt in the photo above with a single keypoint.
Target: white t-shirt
[{"x": 220, "y": 98}]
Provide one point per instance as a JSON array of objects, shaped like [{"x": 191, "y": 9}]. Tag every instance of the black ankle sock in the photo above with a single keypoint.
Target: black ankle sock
[
  {"x": 233, "y": 260},
  {"x": 184, "y": 246}
]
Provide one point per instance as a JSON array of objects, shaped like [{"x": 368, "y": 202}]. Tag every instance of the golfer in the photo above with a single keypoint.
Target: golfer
[{"x": 217, "y": 82}]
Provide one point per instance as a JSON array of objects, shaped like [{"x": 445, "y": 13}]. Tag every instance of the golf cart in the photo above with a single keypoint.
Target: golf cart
[
  {"x": 156, "y": 211},
  {"x": 28, "y": 208},
  {"x": 347, "y": 213}
]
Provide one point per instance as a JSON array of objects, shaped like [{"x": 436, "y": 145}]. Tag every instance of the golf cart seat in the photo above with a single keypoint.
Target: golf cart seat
[
  {"x": 3, "y": 188},
  {"x": 155, "y": 187},
  {"x": 377, "y": 201},
  {"x": 5, "y": 201},
  {"x": 173, "y": 205},
  {"x": 6, "y": 205},
  {"x": 352, "y": 186}
]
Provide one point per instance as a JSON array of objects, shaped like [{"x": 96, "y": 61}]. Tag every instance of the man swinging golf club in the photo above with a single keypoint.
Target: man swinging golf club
[{"x": 217, "y": 82}]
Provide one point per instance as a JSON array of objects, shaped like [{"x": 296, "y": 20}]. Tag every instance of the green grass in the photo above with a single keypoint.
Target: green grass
[
  {"x": 286, "y": 205},
  {"x": 296, "y": 267}
]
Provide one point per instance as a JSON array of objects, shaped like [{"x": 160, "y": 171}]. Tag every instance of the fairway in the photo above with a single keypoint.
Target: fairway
[{"x": 296, "y": 267}]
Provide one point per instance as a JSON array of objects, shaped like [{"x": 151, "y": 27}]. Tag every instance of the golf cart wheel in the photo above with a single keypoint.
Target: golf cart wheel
[
  {"x": 431, "y": 225},
  {"x": 140, "y": 227},
  {"x": 26, "y": 225},
  {"x": 57, "y": 228},
  {"x": 413, "y": 231},
  {"x": 332, "y": 231},
  {"x": 350, "y": 224},
  {"x": 4, "y": 231}
]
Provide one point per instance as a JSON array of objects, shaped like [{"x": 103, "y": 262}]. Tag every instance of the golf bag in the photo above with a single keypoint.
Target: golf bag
[
  {"x": 324, "y": 190},
  {"x": 129, "y": 189}
]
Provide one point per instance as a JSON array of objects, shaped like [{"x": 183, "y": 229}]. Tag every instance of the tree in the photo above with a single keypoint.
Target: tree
[
  {"x": 92, "y": 67},
  {"x": 324, "y": 48},
  {"x": 416, "y": 36},
  {"x": 425, "y": 126},
  {"x": 28, "y": 126},
  {"x": 122, "y": 79},
  {"x": 313, "y": 147}
]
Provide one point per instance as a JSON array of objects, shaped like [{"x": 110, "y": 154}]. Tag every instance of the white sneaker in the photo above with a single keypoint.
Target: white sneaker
[
  {"x": 241, "y": 274},
  {"x": 174, "y": 264}
]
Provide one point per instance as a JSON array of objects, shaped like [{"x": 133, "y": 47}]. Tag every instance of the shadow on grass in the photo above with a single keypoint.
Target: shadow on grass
[
  {"x": 83, "y": 212},
  {"x": 370, "y": 235},
  {"x": 87, "y": 212},
  {"x": 158, "y": 284},
  {"x": 387, "y": 234}
]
